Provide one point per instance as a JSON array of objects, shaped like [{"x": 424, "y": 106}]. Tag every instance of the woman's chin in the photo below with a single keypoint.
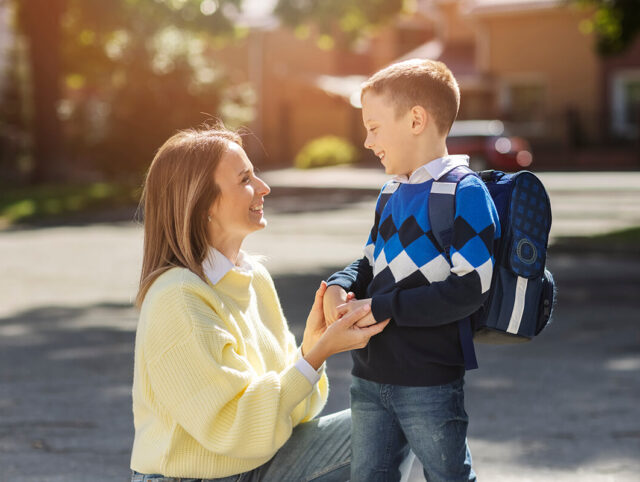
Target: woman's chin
[{"x": 260, "y": 223}]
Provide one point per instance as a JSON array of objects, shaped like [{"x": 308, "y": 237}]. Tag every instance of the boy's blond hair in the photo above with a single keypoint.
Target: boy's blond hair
[{"x": 423, "y": 82}]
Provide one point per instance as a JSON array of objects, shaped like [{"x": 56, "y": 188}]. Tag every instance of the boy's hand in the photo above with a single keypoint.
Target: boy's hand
[
  {"x": 353, "y": 305},
  {"x": 334, "y": 297}
]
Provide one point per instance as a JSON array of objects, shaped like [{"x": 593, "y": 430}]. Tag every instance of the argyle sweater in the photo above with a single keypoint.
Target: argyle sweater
[{"x": 424, "y": 290}]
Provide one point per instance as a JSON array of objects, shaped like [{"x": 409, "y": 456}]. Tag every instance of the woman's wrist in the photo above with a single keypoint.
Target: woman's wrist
[
  {"x": 306, "y": 346},
  {"x": 316, "y": 356},
  {"x": 309, "y": 341}
]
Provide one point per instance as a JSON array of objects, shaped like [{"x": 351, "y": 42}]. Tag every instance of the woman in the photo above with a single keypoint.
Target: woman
[{"x": 220, "y": 390}]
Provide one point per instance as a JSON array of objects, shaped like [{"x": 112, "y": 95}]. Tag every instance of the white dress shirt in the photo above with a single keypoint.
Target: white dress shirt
[{"x": 434, "y": 169}]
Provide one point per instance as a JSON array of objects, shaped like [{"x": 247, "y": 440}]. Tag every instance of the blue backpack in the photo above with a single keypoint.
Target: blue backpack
[{"x": 522, "y": 293}]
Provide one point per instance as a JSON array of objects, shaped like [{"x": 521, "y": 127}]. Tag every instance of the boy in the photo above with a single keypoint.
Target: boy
[{"x": 407, "y": 383}]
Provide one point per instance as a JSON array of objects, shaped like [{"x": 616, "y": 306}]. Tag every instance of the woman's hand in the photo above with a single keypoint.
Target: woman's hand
[
  {"x": 334, "y": 297},
  {"x": 352, "y": 305},
  {"x": 316, "y": 325},
  {"x": 321, "y": 341}
]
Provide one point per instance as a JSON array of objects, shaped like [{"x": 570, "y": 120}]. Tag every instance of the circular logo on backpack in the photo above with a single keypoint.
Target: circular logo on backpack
[{"x": 526, "y": 251}]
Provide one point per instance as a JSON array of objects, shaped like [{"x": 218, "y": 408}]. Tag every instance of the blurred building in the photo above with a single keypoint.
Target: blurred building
[{"x": 531, "y": 63}]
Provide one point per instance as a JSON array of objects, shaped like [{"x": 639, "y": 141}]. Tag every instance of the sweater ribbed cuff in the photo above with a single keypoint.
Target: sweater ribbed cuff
[
  {"x": 381, "y": 306},
  {"x": 295, "y": 388},
  {"x": 343, "y": 283}
]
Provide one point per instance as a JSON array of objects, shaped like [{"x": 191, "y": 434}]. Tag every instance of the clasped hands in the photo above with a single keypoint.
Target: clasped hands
[
  {"x": 338, "y": 303},
  {"x": 337, "y": 322}
]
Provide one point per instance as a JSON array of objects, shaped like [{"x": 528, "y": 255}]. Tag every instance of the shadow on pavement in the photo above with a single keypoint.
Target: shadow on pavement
[{"x": 65, "y": 403}]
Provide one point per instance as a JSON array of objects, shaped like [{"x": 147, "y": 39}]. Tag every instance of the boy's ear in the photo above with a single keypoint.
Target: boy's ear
[{"x": 419, "y": 119}]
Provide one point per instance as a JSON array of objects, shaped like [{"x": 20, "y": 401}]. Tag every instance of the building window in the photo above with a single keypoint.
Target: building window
[
  {"x": 626, "y": 103},
  {"x": 526, "y": 102},
  {"x": 523, "y": 102}
]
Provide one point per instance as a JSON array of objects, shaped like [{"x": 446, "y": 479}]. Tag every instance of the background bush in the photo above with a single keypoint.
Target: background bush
[{"x": 326, "y": 151}]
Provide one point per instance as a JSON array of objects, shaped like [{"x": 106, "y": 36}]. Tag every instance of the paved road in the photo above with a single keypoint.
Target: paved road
[{"x": 562, "y": 408}]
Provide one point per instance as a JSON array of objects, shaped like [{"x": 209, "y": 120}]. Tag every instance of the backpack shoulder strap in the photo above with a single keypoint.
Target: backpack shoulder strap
[
  {"x": 442, "y": 209},
  {"x": 442, "y": 205}
]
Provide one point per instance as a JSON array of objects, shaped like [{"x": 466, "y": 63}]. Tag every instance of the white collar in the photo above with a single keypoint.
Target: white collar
[
  {"x": 434, "y": 169},
  {"x": 216, "y": 265}
]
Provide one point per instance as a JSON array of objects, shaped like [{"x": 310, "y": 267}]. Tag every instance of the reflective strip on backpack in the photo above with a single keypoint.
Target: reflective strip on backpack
[{"x": 518, "y": 306}]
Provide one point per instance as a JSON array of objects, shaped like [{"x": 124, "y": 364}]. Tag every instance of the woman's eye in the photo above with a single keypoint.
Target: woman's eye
[{"x": 246, "y": 179}]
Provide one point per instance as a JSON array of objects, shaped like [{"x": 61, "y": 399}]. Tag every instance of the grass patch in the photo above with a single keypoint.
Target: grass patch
[
  {"x": 625, "y": 241},
  {"x": 28, "y": 204}
]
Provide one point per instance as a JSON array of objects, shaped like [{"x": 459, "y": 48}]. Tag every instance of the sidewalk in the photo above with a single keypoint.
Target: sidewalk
[{"x": 583, "y": 203}]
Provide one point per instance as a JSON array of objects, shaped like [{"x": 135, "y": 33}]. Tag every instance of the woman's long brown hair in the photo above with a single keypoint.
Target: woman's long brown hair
[{"x": 178, "y": 190}]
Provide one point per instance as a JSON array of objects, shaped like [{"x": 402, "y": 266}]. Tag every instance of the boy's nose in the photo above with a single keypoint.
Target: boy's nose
[{"x": 367, "y": 143}]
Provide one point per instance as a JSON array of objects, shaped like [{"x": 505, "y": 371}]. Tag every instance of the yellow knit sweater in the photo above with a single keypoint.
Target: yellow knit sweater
[{"x": 215, "y": 390}]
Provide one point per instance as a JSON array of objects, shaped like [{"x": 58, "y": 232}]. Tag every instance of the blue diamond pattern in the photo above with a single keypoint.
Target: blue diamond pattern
[{"x": 529, "y": 223}]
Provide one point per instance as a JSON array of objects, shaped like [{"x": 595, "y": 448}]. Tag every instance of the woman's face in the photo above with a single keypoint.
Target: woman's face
[{"x": 238, "y": 209}]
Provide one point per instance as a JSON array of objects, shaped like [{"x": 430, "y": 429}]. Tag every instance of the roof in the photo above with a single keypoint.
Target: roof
[
  {"x": 459, "y": 57},
  {"x": 347, "y": 87},
  {"x": 430, "y": 50},
  {"x": 484, "y": 7}
]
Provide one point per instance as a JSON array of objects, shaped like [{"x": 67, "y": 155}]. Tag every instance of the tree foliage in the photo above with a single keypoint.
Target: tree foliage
[
  {"x": 350, "y": 18},
  {"x": 127, "y": 74},
  {"x": 112, "y": 79},
  {"x": 616, "y": 24},
  {"x": 137, "y": 70}
]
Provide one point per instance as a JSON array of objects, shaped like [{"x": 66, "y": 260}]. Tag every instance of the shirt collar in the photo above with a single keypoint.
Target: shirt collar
[
  {"x": 434, "y": 169},
  {"x": 216, "y": 265}
]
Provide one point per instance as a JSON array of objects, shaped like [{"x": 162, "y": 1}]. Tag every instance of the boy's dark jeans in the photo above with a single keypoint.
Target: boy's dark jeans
[{"x": 389, "y": 420}]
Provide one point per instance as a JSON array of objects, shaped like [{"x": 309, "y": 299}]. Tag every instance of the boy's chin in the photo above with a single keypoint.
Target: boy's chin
[{"x": 391, "y": 171}]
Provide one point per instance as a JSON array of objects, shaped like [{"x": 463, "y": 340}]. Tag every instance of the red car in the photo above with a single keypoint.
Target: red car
[{"x": 489, "y": 146}]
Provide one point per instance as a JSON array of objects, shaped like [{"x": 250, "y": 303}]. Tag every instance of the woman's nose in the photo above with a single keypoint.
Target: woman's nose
[{"x": 263, "y": 187}]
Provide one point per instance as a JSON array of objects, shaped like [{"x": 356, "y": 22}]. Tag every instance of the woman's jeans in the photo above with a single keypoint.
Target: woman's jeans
[
  {"x": 319, "y": 451},
  {"x": 389, "y": 420}
]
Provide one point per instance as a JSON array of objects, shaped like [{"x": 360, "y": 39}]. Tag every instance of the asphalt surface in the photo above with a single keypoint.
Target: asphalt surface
[{"x": 562, "y": 408}]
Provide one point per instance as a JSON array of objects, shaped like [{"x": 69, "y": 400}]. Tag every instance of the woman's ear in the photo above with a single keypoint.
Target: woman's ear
[{"x": 419, "y": 119}]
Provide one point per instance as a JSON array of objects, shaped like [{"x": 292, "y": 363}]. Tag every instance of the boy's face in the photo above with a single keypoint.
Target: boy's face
[{"x": 389, "y": 138}]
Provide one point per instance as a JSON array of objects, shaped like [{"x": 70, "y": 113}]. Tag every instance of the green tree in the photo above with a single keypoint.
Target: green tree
[
  {"x": 616, "y": 23},
  {"x": 123, "y": 74},
  {"x": 348, "y": 18},
  {"x": 128, "y": 64}
]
